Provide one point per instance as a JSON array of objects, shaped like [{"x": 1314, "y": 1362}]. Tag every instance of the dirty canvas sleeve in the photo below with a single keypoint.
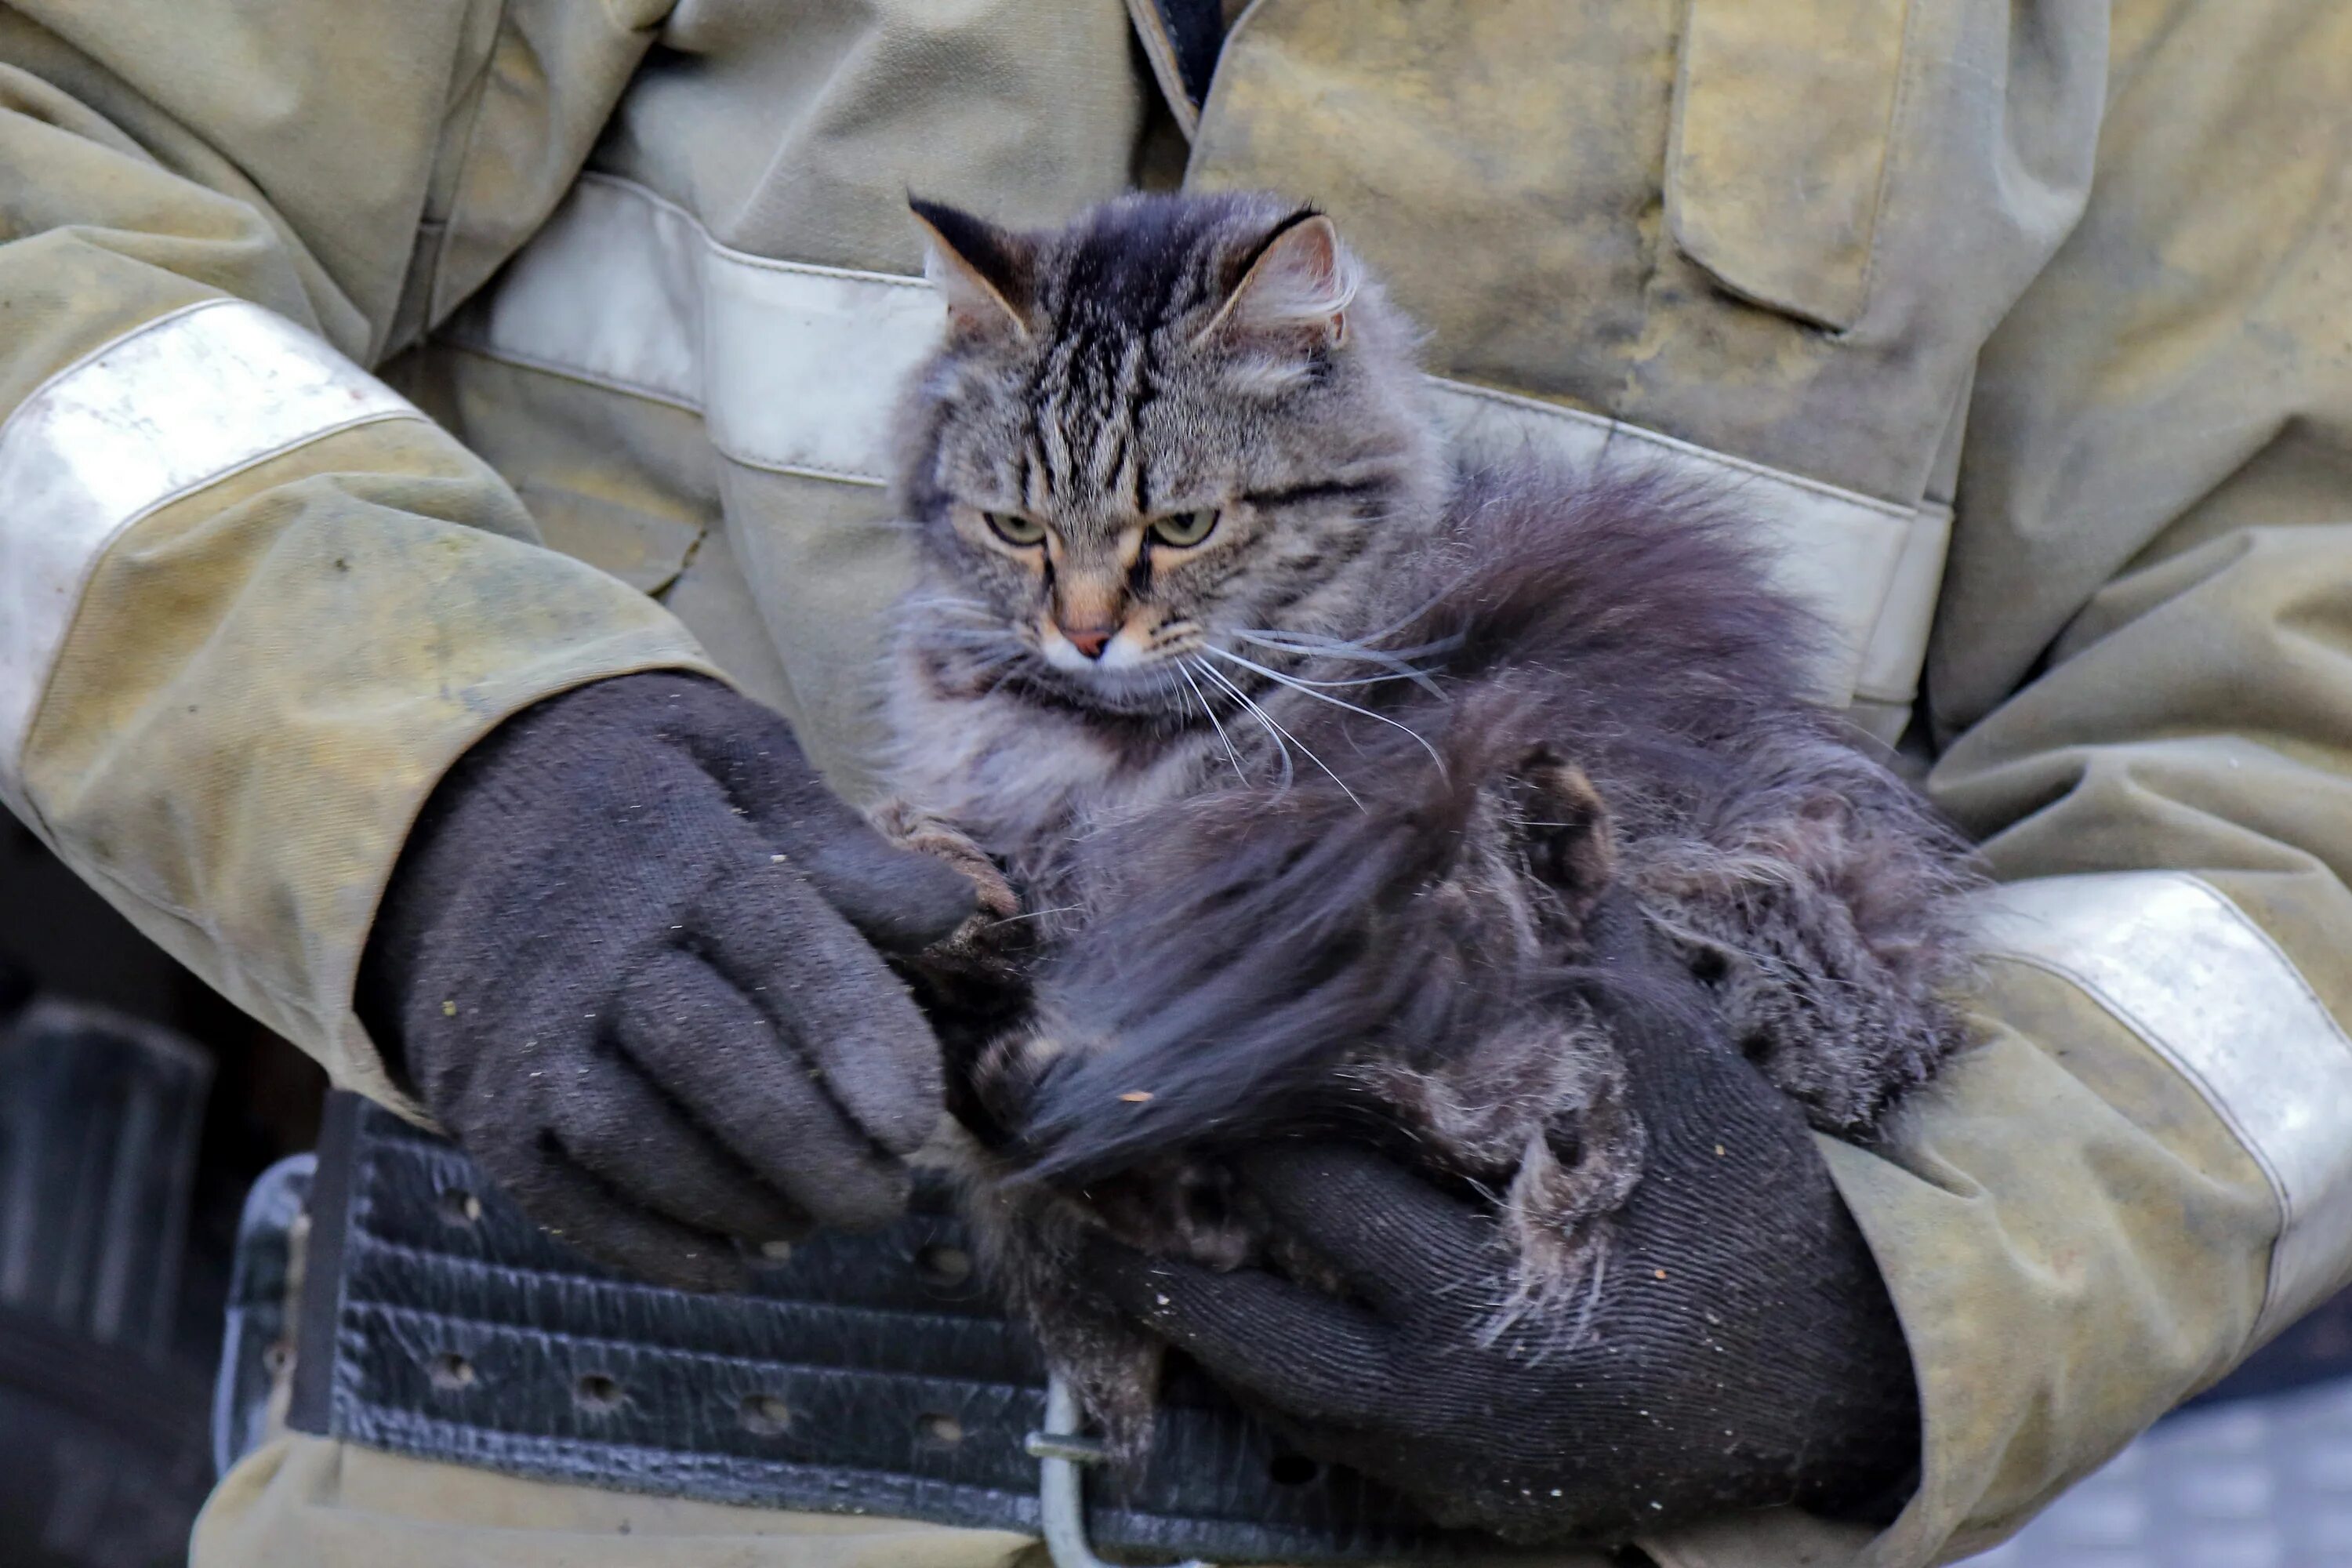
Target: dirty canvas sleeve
[{"x": 252, "y": 603}]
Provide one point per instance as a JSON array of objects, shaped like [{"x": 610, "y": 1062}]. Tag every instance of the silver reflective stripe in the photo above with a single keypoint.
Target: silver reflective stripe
[
  {"x": 1853, "y": 559},
  {"x": 796, "y": 369},
  {"x": 803, "y": 367},
  {"x": 2185, "y": 970},
  {"x": 182, "y": 402}
]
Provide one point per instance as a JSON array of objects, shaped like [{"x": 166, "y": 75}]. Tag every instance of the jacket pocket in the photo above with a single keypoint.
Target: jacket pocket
[{"x": 1785, "y": 115}]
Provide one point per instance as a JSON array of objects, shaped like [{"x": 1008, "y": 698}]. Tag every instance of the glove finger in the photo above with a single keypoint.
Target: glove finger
[
  {"x": 1685, "y": 1077},
  {"x": 899, "y": 899},
  {"x": 697, "y": 1034},
  {"x": 1307, "y": 1355},
  {"x": 831, "y": 997},
  {"x": 1395, "y": 1238},
  {"x": 565, "y": 1201},
  {"x": 650, "y": 1150}
]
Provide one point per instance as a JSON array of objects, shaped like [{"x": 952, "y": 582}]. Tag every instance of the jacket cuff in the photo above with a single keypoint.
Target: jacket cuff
[
  {"x": 2199, "y": 983},
  {"x": 2137, "y": 1177}
]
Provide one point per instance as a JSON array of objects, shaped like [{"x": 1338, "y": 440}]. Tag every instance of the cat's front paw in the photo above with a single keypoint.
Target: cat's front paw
[{"x": 910, "y": 828}]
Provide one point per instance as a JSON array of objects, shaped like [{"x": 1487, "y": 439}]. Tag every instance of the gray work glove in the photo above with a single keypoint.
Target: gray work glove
[
  {"x": 1740, "y": 1351},
  {"x": 628, "y": 960}
]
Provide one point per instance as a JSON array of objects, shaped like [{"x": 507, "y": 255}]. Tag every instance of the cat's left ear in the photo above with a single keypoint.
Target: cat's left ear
[
  {"x": 1298, "y": 283},
  {"x": 986, "y": 274}
]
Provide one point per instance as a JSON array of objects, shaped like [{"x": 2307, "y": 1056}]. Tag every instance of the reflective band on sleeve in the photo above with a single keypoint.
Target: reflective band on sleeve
[
  {"x": 2182, "y": 967},
  {"x": 803, "y": 367},
  {"x": 1851, "y": 558},
  {"x": 184, "y": 401},
  {"x": 796, "y": 369}
]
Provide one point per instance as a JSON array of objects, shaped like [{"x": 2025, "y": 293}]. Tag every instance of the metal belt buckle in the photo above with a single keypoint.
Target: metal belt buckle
[{"x": 1060, "y": 1451}]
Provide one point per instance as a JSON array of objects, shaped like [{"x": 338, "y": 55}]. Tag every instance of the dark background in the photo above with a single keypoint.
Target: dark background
[
  {"x": 104, "y": 1440},
  {"x": 65, "y": 941}
]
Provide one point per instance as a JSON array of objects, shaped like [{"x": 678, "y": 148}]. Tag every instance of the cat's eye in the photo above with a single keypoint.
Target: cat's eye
[
  {"x": 1014, "y": 529},
  {"x": 1185, "y": 528}
]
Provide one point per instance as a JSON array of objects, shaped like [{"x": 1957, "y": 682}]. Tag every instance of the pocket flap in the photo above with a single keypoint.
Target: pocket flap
[{"x": 1784, "y": 117}]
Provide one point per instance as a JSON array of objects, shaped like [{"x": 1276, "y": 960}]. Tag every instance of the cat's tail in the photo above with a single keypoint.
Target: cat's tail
[{"x": 1244, "y": 943}]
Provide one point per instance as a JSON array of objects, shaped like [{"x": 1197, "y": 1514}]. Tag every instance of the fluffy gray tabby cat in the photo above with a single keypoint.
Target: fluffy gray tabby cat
[{"x": 1293, "y": 765}]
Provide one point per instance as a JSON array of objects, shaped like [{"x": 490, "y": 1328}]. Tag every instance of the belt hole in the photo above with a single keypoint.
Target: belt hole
[
  {"x": 1291, "y": 1470},
  {"x": 941, "y": 1431},
  {"x": 450, "y": 1372},
  {"x": 459, "y": 1206},
  {"x": 597, "y": 1393},
  {"x": 763, "y": 1415},
  {"x": 944, "y": 1264}
]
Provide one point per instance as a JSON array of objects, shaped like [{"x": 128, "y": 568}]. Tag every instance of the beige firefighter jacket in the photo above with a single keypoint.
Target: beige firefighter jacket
[{"x": 2026, "y": 329}]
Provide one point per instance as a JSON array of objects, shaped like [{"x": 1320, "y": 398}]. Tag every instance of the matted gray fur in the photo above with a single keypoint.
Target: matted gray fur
[{"x": 1292, "y": 763}]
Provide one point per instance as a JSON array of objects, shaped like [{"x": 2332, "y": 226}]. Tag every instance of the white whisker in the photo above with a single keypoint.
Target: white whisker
[
  {"x": 1231, "y": 755},
  {"x": 1274, "y": 731},
  {"x": 1413, "y": 674},
  {"x": 1038, "y": 915},
  {"x": 1268, "y": 721},
  {"x": 1412, "y": 615},
  {"x": 1331, "y": 648},
  {"x": 1355, "y": 647},
  {"x": 1306, "y": 690}
]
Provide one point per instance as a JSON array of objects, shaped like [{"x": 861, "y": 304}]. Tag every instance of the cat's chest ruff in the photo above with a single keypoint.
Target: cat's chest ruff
[{"x": 1013, "y": 772}]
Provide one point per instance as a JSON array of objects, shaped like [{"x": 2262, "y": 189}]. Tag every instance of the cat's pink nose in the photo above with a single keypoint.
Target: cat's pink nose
[{"x": 1090, "y": 640}]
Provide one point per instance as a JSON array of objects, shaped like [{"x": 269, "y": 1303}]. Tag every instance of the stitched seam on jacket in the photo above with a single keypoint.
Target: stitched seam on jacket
[{"x": 481, "y": 350}]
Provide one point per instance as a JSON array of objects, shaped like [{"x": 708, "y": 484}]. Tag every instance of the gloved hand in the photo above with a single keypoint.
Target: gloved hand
[
  {"x": 1739, "y": 1352},
  {"x": 627, "y": 958}
]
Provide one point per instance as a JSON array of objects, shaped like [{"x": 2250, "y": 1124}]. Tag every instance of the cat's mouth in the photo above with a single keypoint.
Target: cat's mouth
[
  {"x": 1152, "y": 687},
  {"x": 1144, "y": 639},
  {"x": 1140, "y": 671}
]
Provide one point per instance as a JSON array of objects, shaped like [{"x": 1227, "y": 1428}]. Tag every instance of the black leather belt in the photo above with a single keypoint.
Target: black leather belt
[{"x": 865, "y": 1374}]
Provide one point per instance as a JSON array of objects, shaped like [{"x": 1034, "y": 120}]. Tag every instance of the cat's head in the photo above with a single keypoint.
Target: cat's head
[{"x": 1182, "y": 421}]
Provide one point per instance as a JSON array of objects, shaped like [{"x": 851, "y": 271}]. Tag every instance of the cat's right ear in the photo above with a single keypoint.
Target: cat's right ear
[
  {"x": 1296, "y": 285},
  {"x": 986, "y": 273}
]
